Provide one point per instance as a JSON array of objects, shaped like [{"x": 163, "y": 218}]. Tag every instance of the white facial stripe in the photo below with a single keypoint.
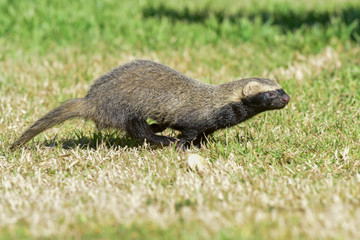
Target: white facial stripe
[
  {"x": 265, "y": 88},
  {"x": 252, "y": 88}
]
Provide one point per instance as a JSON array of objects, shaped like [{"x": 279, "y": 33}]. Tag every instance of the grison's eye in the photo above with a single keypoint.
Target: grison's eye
[{"x": 270, "y": 94}]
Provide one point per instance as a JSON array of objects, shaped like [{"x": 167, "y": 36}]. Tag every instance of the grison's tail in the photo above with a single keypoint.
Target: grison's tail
[{"x": 70, "y": 109}]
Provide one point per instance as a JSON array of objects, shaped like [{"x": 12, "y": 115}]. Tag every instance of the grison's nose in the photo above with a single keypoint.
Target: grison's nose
[{"x": 285, "y": 98}]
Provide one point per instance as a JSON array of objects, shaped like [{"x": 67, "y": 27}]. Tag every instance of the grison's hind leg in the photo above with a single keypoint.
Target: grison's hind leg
[{"x": 140, "y": 129}]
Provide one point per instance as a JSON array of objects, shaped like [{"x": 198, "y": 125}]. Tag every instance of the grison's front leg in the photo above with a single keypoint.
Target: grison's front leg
[
  {"x": 158, "y": 127},
  {"x": 186, "y": 137},
  {"x": 140, "y": 129}
]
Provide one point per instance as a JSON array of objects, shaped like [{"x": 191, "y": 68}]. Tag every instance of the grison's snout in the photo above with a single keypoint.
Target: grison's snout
[{"x": 285, "y": 98}]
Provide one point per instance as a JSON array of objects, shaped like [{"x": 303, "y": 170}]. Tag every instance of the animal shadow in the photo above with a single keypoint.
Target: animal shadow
[{"x": 96, "y": 140}]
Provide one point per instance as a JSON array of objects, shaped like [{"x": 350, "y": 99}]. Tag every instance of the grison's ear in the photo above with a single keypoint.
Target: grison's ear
[{"x": 251, "y": 88}]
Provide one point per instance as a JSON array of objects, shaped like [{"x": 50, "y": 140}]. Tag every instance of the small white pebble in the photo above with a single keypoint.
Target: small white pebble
[{"x": 196, "y": 162}]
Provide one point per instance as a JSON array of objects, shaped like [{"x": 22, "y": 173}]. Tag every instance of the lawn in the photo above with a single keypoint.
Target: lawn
[{"x": 287, "y": 174}]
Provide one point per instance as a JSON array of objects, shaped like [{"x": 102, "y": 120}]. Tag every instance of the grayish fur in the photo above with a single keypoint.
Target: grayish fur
[{"x": 130, "y": 94}]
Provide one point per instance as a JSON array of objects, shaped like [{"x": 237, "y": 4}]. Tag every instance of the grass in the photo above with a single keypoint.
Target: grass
[{"x": 288, "y": 174}]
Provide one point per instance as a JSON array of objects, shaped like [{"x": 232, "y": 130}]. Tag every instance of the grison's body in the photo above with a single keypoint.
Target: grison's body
[{"x": 130, "y": 94}]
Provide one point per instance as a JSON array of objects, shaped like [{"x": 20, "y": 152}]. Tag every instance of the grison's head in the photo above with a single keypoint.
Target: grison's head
[{"x": 264, "y": 94}]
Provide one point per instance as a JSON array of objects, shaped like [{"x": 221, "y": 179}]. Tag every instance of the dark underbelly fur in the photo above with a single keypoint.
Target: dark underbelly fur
[{"x": 195, "y": 133}]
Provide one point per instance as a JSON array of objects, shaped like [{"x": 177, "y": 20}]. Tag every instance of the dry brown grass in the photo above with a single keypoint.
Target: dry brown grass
[
  {"x": 308, "y": 66},
  {"x": 51, "y": 191}
]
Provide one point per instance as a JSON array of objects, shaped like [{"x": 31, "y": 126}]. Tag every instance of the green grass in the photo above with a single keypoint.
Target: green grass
[{"x": 288, "y": 174}]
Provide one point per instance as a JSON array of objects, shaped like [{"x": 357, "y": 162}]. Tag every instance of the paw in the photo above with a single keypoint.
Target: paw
[{"x": 182, "y": 145}]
